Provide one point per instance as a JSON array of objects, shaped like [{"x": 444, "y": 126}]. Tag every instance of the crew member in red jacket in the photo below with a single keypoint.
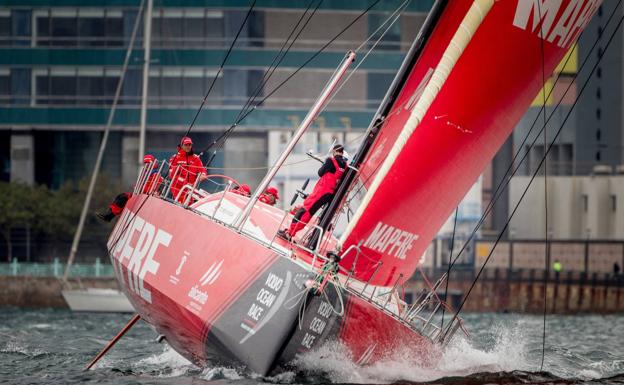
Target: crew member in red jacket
[
  {"x": 330, "y": 173},
  {"x": 151, "y": 185},
  {"x": 269, "y": 196},
  {"x": 184, "y": 168},
  {"x": 242, "y": 189}
]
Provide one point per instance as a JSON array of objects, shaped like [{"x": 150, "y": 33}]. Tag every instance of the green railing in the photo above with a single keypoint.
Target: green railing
[{"x": 56, "y": 269}]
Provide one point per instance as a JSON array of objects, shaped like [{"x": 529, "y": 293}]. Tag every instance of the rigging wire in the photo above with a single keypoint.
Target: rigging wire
[
  {"x": 507, "y": 176},
  {"x": 546, "y": 254},
  {"x": 214, "y": 80},
  {"x": 277, "y": 60},
  {"x": 537, "y": 170},
  {"x": 505, "y": 182},
  {"x": 281, "y": 84},
  {"x": 394, "y": 16},
  {"x": 448, "y": 272}
]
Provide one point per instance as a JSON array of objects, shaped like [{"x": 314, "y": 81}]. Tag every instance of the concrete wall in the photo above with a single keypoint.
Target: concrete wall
[
  {"x": 564, "y": 295},
  {"x": 34, "y": 292},
  {"x": 588, "y": 207}
]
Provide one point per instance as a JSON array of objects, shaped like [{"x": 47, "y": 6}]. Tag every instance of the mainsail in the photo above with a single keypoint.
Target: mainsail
[{"x": 478, "y": 73}]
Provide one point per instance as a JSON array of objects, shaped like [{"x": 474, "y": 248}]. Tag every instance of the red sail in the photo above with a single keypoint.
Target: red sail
[{"x": 477, "y": 75}]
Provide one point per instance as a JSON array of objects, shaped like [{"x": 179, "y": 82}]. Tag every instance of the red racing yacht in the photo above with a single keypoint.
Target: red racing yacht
[{"x": 210, "y": 274}]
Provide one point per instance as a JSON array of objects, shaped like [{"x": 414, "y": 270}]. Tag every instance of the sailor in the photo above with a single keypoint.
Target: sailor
[
  {"x": 154, "y": 180},
  {"x": 557, "y": 268},
  {"x": 269, "y": 196},
  {"x": 330, "y": 173},
  {"x": 184, "y": 168},
  {"x": 117, "y": 205},
  {"x": 242, "y": 189}
]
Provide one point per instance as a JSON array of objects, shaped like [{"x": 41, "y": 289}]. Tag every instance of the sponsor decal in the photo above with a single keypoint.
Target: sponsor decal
[
  {"x": 268, "y": 301},
  {"x": 560, "y": 22},
  {"x": 197, "y": 293},
  {"x": 390, "y": 240},
  {"x": 411, "y": 103},
  {"x": 174, "y": 279},
  {"x": 211, "y": 275},
  {"x": 138, "y": 244},
  {"x": 317, "y": 325},
  {"x": 366, "y": 356}
]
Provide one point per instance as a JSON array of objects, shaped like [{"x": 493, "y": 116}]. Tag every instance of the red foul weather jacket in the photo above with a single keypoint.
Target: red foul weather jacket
[
  {"x": 190, "y": 167},
  {"x": 326, "y": 185}
]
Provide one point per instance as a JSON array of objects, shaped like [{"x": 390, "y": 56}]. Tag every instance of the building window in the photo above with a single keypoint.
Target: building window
[
  {"x": 5, "y": 28},
  {"x": 20, "y": 85},
  {"x": 183, "y": 86},
  {"x": 378, "y": 84},
  {"x": 598, "y": 93},
  {"x": 598, "y": 113},
  {"x": 84, "y": 27},
  {"x": 613, "y": 203},
  {"x": 598, "y": 156},
  {"x": 598, "y": 134},
  {"x": 21, "y": 28},
  {"x": 256, "y": 29},
  {"x": 192, "y": 27},
  {"x": 392, "y": 38},
  {"x": 5, "y": 86},
  {"x": 585, "y": 199}
]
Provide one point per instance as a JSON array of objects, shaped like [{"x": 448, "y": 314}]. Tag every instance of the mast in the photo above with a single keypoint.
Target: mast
[
  {"x": 100, "y": 155},
  {"x": 147, "y": 48},
  {"x": 344, "y": 186}
]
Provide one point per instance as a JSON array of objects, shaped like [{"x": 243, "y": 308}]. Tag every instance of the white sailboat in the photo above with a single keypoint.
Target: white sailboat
[{"x": 98, "y": 299}]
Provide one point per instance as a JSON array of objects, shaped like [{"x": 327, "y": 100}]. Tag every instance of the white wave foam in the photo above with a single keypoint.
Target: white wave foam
[
  {"x": 168, "y": 363},
  {"x": 16, "y": 347},
  {"x": 218, "y": 373},
  {"x": 460, "y": 358}
]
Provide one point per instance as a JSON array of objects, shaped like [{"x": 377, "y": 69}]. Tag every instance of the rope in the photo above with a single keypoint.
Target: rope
[
  {"x": 397, "y": 12},
  {"x": 277, "y": 60},
  {"x": 537, "y": 169},
  {"x": 273, "y": 66},
  {"x": 250, "y": 110},
  {"x": 448, "y": 272},
  {"x": 546, "y": 256},
  {"x": 498, "y": 191},
  {"x": 214, "y": 80}
]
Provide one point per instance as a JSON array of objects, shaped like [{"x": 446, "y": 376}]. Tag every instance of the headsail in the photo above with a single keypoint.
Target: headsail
[{"x": 477, "y": 75}]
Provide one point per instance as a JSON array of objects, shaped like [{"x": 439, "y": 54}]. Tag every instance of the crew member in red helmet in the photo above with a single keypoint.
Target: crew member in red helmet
[
  {"x": 184, "y": 168},
  {"x": 243, "y": 190},
  {"x": 269, "y": 196},
  {"x": 330, "y": 173},
  {"x": 151, "y": 185}
]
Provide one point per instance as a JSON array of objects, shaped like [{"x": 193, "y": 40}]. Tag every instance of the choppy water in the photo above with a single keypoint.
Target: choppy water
[{"x": 52, "y": 347}]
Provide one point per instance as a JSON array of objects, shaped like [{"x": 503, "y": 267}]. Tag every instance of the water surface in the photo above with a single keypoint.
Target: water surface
[{"x": 52, "y": 347}]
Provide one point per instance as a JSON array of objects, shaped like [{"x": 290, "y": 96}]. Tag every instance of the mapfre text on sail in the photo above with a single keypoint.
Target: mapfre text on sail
[
  {"x": 561, "y": 21},
  {"x": 390, "y": 240}
]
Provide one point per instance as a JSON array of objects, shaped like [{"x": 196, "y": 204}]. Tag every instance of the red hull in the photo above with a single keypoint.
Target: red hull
[{"x": 218, "y": 295}]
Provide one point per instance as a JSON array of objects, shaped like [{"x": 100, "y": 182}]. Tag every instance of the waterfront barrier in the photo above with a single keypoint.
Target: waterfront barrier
[{"x": 56, "y": 269}]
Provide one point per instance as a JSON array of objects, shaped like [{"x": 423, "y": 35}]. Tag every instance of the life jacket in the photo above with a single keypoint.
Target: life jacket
[
  {"x": 329, "y": 180},
  {"x": 190, "y": 167},
  {"x": 325, "y": 185},
  {"x": 152, "y": 183}
]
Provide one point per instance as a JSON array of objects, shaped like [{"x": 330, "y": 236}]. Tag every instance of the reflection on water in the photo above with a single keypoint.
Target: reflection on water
[{"x": 50, "y": 346}]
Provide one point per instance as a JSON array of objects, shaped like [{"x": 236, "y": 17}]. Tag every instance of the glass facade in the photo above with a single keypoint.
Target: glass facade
[{"x": 60, "y": 66}]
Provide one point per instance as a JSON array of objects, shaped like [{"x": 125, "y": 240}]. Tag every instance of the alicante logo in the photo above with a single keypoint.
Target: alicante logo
[{"x": 211, "y": 275}]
